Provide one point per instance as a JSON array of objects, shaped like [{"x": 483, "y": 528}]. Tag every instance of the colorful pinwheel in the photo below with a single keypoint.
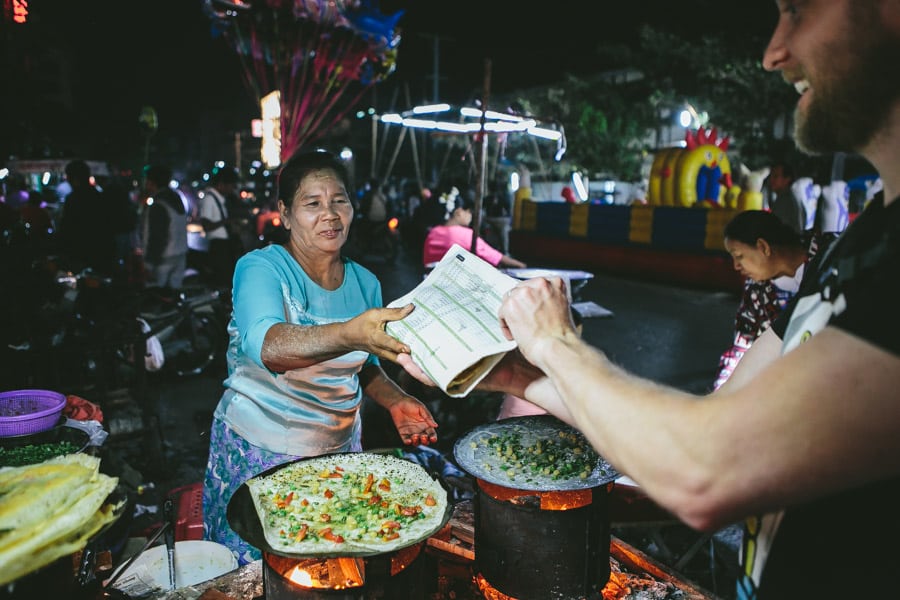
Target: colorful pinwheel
[{"x": 320, "y": 55}]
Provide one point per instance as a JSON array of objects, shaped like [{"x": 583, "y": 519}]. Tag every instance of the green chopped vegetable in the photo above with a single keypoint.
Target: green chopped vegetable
[
  {"x": 34, "y": 453},
  {"x": 564, "y": 457}
]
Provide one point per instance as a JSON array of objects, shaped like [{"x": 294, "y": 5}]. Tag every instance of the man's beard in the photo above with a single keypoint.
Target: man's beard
[{"x": 854, "y": 100}]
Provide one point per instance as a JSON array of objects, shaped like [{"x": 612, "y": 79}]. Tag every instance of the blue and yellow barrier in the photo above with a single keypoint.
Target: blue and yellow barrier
[
  {"x": 669, "y": 227},
  {"x": 686, "y": 241}
]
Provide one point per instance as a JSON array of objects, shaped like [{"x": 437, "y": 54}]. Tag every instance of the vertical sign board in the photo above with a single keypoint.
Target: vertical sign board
[{"x": 270, "y": 108}]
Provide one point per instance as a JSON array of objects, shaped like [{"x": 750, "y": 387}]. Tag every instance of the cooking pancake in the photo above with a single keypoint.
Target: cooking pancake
[
  {"x": 539, "y": 453},
  {"x": 344, "y": 504}
]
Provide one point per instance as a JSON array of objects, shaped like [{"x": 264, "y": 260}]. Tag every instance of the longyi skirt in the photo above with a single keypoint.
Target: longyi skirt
[{"x": 232, "y": 461}]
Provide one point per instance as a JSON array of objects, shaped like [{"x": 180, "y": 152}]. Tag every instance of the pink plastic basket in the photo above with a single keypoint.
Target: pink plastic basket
[{"x": 23, "y": 412}]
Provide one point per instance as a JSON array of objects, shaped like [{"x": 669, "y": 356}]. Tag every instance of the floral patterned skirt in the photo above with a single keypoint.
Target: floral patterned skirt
[{"x": 232, "y": 461}]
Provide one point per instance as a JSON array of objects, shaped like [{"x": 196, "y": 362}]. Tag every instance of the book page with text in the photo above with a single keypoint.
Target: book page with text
[{"x": 454, "y": 332}]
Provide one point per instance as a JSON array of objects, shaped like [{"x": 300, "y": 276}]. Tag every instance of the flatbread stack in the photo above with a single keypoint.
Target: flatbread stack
[
  {"x": 356, "y": 503},
  {"x": 49, "y": 510}
]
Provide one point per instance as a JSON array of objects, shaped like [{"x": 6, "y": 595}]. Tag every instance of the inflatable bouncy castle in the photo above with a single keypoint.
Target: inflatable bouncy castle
[
  {"x": 667, "y": 238},
  {"x": 697, "y": 174}
]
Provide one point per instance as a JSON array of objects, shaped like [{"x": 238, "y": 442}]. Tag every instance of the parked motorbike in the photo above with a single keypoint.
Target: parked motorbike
[
  {"x": 83, "y": 332},
  {"x": 185, "y": 334},
  {"x": 68, "y": 336}
]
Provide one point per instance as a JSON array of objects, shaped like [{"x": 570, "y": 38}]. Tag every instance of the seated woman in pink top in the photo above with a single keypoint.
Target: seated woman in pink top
[{"x": 456, "y": 230}]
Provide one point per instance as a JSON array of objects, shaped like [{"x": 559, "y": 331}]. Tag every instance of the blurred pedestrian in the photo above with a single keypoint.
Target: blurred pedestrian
[
  {"x": 123, "y": 219},
  {"x": 782, "y": 201},
  {"x": 427, "y": 213},
  {"x": 86, "y": 239},
  {"x": 497, "y": 215},
  {"x": 9, "y": 216},
  {"x": 456, "y": 230},
  {"x": 221, "y": 228},
  {"x": 372, "y": 215},
  {"x": 163, "y": 230},
  {"x": 34, "y": 212}
]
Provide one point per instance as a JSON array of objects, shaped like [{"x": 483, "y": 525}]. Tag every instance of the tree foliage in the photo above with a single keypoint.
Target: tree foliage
[{"x": 610, "y": 120}]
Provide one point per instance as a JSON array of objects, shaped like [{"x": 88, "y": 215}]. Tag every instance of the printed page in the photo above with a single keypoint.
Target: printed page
[{"x": 454, "y": 332}]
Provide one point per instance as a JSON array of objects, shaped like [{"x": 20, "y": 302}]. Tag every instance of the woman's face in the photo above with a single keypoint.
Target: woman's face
[
  {"x": 754, "y": 262},
  {"x": 321, "y": 213},
  {"x": 464, "y": 216}
]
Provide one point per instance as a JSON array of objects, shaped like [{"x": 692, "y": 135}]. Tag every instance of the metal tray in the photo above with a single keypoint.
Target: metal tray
[
  {"x": 244, "y": 520},
  {"x": 473, "y": 456}
]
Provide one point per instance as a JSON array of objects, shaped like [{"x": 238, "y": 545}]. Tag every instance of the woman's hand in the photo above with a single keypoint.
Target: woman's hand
[
  {"x": 413, "y": 421},
  {"x": 369, "y": 335}
]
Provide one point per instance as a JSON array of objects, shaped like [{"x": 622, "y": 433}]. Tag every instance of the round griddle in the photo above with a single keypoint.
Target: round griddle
[
  {"x": 473, "y": 454},
  {"x": 244, "y": 520}
]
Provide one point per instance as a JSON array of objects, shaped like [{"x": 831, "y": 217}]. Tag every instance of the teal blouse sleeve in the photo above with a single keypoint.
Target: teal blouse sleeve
[{"x": 257, "y": 300}]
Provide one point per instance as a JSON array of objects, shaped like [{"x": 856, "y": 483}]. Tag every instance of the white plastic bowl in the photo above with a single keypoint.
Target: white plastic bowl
[{"x": 196, "y": 561}]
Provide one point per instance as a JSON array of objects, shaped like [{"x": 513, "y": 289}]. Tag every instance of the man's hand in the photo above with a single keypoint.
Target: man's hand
[
  {"x": 535, "y": 310},
  {"x": 405, "y": 360}
]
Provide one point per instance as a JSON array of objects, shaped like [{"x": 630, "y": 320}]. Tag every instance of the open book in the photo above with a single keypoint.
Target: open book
[{"x": 454, "y": 332}]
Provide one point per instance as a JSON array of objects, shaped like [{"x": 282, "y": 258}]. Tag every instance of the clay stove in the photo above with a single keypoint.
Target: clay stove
[{"x": 541, "y": 545}]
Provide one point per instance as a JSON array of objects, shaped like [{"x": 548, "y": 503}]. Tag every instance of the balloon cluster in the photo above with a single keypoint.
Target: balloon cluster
[{"x": 361, "y": 42}]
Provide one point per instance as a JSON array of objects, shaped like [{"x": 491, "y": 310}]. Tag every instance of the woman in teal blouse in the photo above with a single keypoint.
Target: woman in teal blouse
[{"x": 306, "y": 336}]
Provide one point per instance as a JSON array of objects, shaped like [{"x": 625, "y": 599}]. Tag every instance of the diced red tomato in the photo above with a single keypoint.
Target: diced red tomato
[
  {"x": 282, "y": 502},
  {"x": 304, "y": 529},
  {"x": 328, "y": 535}
]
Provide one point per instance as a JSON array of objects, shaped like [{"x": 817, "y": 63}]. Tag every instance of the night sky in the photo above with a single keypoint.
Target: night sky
[{"x": 124, "y": 54}]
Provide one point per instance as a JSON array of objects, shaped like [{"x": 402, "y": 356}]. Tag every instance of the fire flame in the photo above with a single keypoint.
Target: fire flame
[
  {"x": 320, "y": 573},
  {"x": 300, "y": 577},
  {"x": 552, "y": 500}
]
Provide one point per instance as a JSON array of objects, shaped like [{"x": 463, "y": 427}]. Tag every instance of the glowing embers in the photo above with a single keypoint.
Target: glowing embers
[
  {"x": 547, "y": 500},
  {"x": 391, "y": 575},
  {"x": 324, "y": 573},
  {"x": 488, "y": 591}
]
